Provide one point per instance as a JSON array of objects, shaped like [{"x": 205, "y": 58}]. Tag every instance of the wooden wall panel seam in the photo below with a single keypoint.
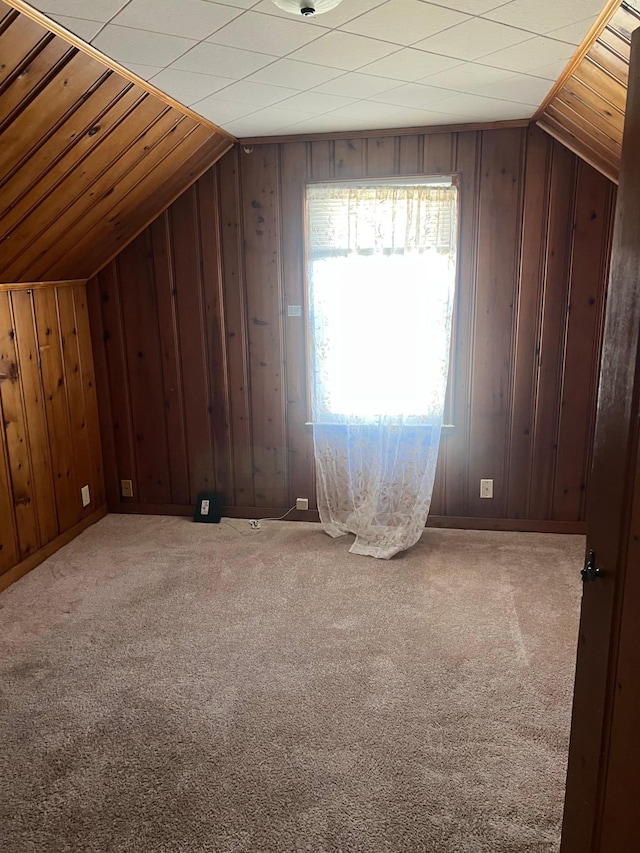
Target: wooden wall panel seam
[
  {"x": 25, "y": 161},
  {"x": 156, "y": 153},
  {"x": 105, "y": 176},
  {"x": 514, "y": 328}
]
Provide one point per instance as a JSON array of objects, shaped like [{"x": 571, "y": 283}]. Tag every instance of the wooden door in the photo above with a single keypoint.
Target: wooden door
[{"x": 602, "y": 780}]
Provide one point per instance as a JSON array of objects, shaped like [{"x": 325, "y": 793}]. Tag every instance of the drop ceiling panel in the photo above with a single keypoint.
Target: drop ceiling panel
[
  {"x": 404, "y": 21},
  {"x": 295, "y": 74},
  {"x": 125, "y": 44},
  {"x": 410, "y": 65},
  {"x": 222, "y": 61},
  {"x": 543, "y": 16},
  {"x": 357, "y": 85},
  {"x": 497, "y": 58},
  {"x": 82, "y": 27},
  {"x": 188, "y": 87},
  {"x": 266, "y": 34},
  {"x": 344, "y": 50},
  {"x": 191, "y": 18},
  {"x": 473, "y": 39}
]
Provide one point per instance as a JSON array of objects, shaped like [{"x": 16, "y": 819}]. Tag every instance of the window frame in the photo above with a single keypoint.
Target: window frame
[{"x": 448, "y": 419}]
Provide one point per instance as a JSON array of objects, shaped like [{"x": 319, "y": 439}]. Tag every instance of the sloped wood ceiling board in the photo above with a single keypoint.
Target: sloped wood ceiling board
[
  {"x": 587, "y": 112},
  {"x": 87, "y": 158}
]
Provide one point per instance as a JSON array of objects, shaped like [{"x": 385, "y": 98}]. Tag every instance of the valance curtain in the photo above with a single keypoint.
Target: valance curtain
[{"x": 381, "y": 287}]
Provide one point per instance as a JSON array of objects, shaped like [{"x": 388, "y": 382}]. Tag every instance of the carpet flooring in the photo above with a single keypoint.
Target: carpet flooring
[{"x": 180, "y": 688}]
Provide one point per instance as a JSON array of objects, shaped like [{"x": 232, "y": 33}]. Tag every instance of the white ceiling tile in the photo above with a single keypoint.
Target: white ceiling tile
[
  {"x": 187, "y": 86},
  {"x": 318, "y": 124},
  {"x": 264, "y": 122},
  {"x": 124, "y": 44},
  {"x": 409, "y": 65},
  {"x": 266, "y": 33},
  {"x": 346, "y": 11},
  {"x": 421, "y": 118},
  {"x": 471, "y": 7},
  {"x": 146, "y": 72},
  {"x": 473, "y": 38},
  {"x": 542, "y": 16},
  {"x": 552, "y": 71},
  {"x": 520, "y": 88},
  {"x": 412, "y": 95},
  {"x": 369, "y": 110},
  {"x": 189, "y": 18},
  {"x": 574, "y": 33},
  {"x": 80, "y": 26},
  {"x": 102, "y": 11},
  {"x": 296, "y": 75},
  {"x": 343, "y": 50},
  {"x": 530, "y": 54},
  {"x": 315, "y": 102},
  {"x": 258, "y": 94},
  {"x": 221, "y": 112},
  {"x": 404, "y": 21},
  {"x": 479, "y": 108},
  {"x": 467, "y": 77},
  {"x": 240, "y": 4},
  {"x": 206, "y": 58},
  {"x": 356, "y": 85}
]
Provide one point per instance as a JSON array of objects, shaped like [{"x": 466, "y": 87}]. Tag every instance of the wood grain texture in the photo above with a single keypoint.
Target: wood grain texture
[
  {"x": 230, "y": 388},
  {"x": 602, "y": 779},
  {"x": 585, "y": 111},
  {"x": 50, "y": 442},
  {"x": 88, "y": 158}
]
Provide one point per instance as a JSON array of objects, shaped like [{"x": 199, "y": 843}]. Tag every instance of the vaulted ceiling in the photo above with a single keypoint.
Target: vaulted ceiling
[
  {"x": 256, "y": 70},
  {"x": 587, "y": 107},
  {"x": 87, "y": 157},
  {"x": 90, "y": 153}
]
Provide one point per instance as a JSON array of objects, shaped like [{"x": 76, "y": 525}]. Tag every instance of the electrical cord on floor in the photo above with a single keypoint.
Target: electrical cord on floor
[
  {"x": 279, "y": 517},
  {"x": 239, "y": 531},
  {"x": 254, "y": 523}
]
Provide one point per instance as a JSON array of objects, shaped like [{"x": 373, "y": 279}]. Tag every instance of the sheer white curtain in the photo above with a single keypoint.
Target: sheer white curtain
[{"x": 381, "y": 288}]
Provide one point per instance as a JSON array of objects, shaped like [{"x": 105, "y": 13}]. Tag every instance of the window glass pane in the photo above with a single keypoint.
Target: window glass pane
[{"x": 381, "y": 285}]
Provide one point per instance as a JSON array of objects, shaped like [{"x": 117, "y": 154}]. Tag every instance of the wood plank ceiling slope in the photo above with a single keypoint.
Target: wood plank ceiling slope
[
  {"x": 87, "y": 157},
  {"x": 585, "y": 110}
]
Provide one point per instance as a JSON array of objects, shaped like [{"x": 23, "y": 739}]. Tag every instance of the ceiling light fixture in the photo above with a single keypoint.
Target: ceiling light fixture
[{"x": 306, "y": 8}]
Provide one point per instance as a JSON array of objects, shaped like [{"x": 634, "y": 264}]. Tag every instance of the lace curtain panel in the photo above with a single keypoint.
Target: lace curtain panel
[{"x": 381, "y": 287}]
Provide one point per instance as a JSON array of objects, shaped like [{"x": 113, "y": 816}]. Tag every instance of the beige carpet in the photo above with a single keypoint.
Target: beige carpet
[{"x": 172, "y": 688}]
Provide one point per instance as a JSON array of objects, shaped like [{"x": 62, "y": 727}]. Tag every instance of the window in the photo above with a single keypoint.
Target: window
[{"x": 381, "y": 272}]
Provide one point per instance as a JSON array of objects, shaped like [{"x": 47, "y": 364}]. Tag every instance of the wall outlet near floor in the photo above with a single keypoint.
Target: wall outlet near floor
[
  {"x": 486, "y": 488},
  {"x": 302, "y": 503},
  {"x": 86, "y": 496},
  {"x": 126, "y": 487}
]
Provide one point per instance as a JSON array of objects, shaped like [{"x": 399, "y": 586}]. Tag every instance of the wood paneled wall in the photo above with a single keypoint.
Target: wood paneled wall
[
  {"x": 87, "y": 158},
  {"x": 202, "y": 372},
  {"x": 50, "y": 440},
  {"x": 586, "y": 110}
]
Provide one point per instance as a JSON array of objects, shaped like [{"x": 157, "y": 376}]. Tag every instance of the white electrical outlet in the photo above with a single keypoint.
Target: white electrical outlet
[
  {"x": 302, "y": 503},
  {"x": 486, "y": 488},
  {"x": 86, "y": 495},
  {"x": 126, "y": 488}
]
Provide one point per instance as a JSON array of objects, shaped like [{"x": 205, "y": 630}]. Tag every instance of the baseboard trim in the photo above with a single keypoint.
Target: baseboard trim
[
  {"x": 518, "y": 525},
  {"x": 515, "y": 525},
  {"x": 33, "y": 560}
]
